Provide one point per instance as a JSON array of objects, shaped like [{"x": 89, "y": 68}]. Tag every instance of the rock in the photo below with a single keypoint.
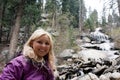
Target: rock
[
  {"x": 66, "y": 53},
  {"x": 115, "y": 76},
  {"x": 86, "y": 77},
  {"x": 89, "y": 76},
  {"x": 103, "y": 77},
  {"x": 93, "y": 76},
  {"x": 92, "y": 54}
]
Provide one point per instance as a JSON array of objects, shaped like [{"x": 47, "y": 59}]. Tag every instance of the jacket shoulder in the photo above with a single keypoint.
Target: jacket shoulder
[
  {"x": 19, "y": 61},
  {"x": 14, "y": 69}
]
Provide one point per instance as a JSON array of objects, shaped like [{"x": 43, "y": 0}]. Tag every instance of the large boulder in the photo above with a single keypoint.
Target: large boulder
[{"x": 91, "y": 54}]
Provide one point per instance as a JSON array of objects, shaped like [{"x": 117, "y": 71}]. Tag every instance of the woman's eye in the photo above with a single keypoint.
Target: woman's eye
[
  {"x": 39, "y": 42},
  {"x": 47, "y": 43}
]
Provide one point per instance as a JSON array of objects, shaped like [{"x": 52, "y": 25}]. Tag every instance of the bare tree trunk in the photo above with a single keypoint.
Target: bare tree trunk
[
  {"x": 118, "y": 1},
  {"x": 80, "y": 15},
  {"x": 54, "y": 20},
  {"x": 14, "y": 39}
]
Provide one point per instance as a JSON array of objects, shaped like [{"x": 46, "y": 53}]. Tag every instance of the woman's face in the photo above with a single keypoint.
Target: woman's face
[{"x": 41, "y": 45}]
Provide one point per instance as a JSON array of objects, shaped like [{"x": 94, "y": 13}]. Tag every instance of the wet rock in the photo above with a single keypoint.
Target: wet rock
[{"x": 103, "y": 77}]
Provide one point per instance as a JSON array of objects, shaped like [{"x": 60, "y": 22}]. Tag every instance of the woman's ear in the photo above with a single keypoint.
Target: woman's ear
[{"x": 31, "y": 43}]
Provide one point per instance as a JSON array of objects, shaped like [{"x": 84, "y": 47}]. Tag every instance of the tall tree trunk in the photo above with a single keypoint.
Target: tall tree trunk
[
  {"x": 80, "y": 15},
  {"x": 14, "y": 39},
  {"x": 118, "y": 1},
  {"x": 54, "y": 20}
]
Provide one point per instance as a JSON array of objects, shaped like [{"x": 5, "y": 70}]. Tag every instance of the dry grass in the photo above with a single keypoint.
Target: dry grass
[{"x": 115, "y": 34}]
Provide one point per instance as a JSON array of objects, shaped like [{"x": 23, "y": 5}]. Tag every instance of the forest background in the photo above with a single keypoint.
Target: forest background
[{"x": 66, "y": 20}]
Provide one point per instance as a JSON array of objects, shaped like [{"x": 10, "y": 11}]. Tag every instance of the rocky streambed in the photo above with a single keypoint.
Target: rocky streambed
[
  {"x": 95, "y": 61},
  {"x": 101, "y": 69}
]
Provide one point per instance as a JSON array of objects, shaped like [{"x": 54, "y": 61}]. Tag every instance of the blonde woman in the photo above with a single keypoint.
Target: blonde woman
[{"x": 37, "y": 61}]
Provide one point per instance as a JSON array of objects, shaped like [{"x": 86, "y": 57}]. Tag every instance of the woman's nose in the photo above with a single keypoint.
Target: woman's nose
[{"x": 43, "y": 45}]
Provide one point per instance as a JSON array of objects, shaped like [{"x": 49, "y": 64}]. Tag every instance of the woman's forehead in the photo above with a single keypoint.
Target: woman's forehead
[{"x": 43, "y": 37}]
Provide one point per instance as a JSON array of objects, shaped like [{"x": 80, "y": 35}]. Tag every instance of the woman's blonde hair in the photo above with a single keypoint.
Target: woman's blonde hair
[{"x": 28, "y": 50}]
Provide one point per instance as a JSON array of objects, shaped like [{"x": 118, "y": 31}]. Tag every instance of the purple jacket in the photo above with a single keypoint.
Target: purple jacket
[{"x": 22, "y": 68}]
